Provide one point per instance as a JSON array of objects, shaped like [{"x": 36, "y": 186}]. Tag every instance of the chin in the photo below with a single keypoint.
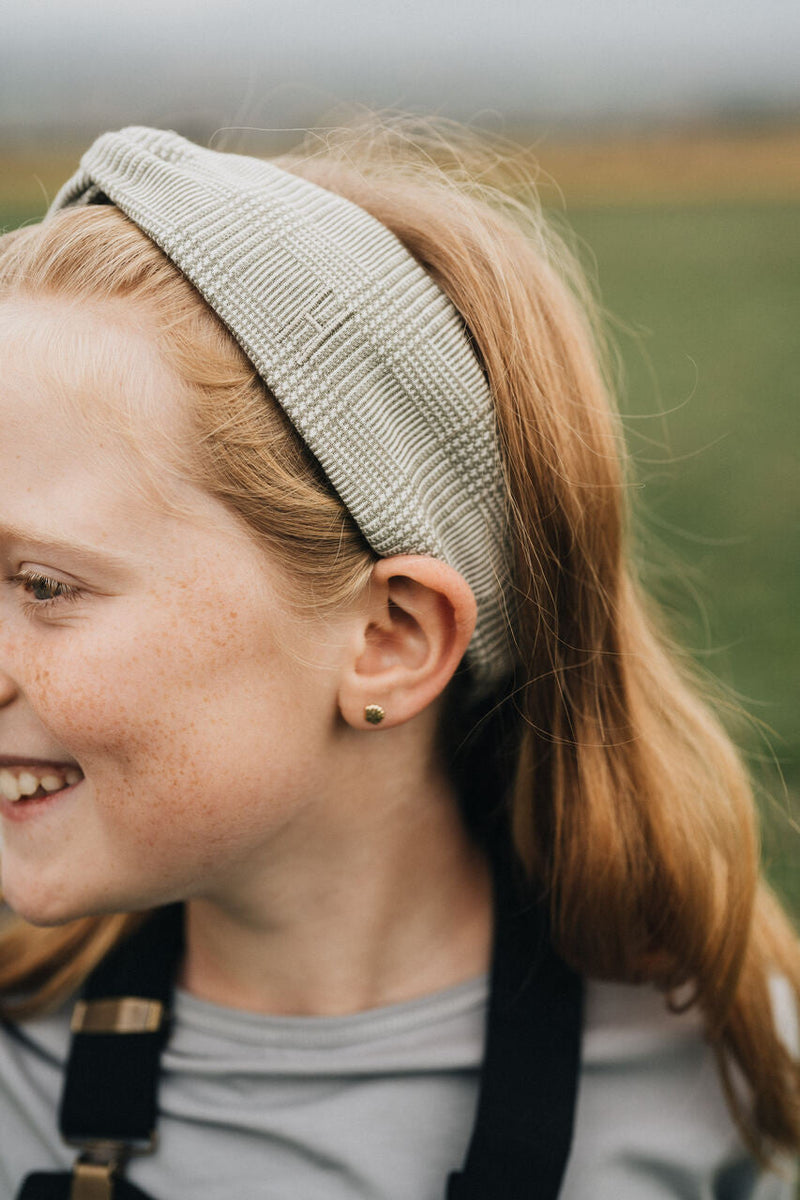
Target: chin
[
  {"x": 42, "y": 904},
  {"x": 45, "y": 916},
  {"x": 37, "y": 911}
]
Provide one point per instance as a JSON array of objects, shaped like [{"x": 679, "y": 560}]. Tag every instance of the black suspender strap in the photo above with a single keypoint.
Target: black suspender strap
[
  {"x": 523, "y": 1130},
  {"x": 119, "y": 1028}
]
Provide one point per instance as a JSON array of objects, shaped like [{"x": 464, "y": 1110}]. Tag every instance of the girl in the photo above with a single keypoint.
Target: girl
[{"x": 346, "y": 779}]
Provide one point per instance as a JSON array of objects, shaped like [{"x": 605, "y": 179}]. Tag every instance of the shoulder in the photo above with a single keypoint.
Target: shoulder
[
  {"x": 32, "y": 1059},
  {"x": 651, "y": 1119}
]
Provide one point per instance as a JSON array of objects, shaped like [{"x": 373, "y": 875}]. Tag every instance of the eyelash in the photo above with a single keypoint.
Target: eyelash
[{"x": 31, "y": 581}]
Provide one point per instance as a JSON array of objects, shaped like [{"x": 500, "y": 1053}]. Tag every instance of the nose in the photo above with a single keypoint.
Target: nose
[{"x": 8, "y": 689}]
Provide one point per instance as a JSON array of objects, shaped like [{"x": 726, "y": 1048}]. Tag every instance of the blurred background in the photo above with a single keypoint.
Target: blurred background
[{"x": 668, "y": 135}]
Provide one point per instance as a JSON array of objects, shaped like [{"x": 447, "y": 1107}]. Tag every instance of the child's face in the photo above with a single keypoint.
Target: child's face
[{"x": 147, "y": 648}]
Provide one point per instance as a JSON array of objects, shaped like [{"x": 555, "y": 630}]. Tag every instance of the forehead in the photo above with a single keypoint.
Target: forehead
[
  {"x": 95, "y": 432},
  {"x": 96, "y": 377},
  {"x": 94, "y": 429},
  {"x": 102, "y": 362}
]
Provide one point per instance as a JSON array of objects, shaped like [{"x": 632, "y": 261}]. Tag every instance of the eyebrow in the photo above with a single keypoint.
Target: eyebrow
[{"x": 90, "y": 555}]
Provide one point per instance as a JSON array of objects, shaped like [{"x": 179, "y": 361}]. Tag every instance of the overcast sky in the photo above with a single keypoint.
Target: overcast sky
[{"x": 100, "y": 62}]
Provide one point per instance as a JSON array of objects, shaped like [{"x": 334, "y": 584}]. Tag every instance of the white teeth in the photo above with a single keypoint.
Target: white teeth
[
  {"x": 9, "y": 788},
  {"x": 21, "y": 782},
  {"x": 28, "y": 784}
]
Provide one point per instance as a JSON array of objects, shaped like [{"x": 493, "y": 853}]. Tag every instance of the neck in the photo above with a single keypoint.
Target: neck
[{"x": 389, "y": 901}]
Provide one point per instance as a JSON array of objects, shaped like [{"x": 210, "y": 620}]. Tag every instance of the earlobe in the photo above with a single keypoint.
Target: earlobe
[{"x": 417, "y": 623}]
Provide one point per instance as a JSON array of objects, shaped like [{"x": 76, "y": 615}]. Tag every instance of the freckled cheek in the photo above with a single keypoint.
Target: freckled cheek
[
  {"x": 83, "y": 716},
  {"x": 168, "y": 689},
  {"x": 115, "y": 699},
  {"x": 65, "y": 698}
]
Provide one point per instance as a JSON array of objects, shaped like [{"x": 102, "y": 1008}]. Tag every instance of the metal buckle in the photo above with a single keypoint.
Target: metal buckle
[
  {"x": 96, "y": 1167},
  {"x": 103, "y": 1149},
  {"x": 94, "y": 1171},
  {"x": 122, "y": 1014}
]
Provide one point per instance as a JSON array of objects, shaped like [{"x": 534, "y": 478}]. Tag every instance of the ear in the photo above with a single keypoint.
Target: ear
[{"x": 418, "y": 622}]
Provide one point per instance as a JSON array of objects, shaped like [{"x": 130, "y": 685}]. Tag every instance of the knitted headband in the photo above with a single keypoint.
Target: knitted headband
[{"x": 355, "y": 341}]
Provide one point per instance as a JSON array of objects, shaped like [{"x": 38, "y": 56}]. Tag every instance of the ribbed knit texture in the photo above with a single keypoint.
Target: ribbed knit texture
[{"x": 364, "y": 352}]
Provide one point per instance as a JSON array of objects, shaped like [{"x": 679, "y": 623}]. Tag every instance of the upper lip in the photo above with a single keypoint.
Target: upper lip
[{"x": 8, "y": 760}]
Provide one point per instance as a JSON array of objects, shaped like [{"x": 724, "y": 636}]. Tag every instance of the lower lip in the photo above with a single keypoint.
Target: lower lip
[{"x": 28, "y": 810}]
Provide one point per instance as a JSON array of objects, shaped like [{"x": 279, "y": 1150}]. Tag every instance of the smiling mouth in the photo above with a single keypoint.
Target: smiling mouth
[{"x": 27, "y": 782}]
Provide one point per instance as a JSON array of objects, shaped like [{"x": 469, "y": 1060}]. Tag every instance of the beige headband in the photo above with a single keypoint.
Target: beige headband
[{"x": 364, "y": 352}]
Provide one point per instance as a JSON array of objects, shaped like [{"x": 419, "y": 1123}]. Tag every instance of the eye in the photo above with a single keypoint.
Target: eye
[{"x": 42, "y": 590}]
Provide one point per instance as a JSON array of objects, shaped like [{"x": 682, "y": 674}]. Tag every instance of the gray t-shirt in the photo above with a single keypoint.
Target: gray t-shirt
[{"x": 380, "y": 1105}]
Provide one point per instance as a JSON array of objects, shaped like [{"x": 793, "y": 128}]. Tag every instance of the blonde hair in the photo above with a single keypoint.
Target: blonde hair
[{"x": 628, "y": 804}]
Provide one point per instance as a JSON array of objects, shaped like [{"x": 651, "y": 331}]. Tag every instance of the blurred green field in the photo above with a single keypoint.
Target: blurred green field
[{"x": 704, "y": 298}]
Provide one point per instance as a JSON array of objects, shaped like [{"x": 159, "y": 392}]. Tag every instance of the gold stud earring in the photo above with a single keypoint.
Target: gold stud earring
[{"x": 374, "y": 714}]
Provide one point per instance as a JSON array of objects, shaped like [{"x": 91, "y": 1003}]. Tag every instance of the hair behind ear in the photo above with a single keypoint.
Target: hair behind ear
[{"x": 628, "y": 803}]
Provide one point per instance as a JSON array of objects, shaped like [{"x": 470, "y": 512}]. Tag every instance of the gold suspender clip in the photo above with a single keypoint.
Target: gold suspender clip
[
  {"x": 123, "y": 1014},
  {"x": 93, "y": 1173},
  {"x": 96, "y": 1168}
]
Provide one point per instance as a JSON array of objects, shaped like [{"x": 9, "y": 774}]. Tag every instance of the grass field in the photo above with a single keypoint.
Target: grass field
[
  {"x": 696, "y": 246},
  {"x": 707, "y": 300}
]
